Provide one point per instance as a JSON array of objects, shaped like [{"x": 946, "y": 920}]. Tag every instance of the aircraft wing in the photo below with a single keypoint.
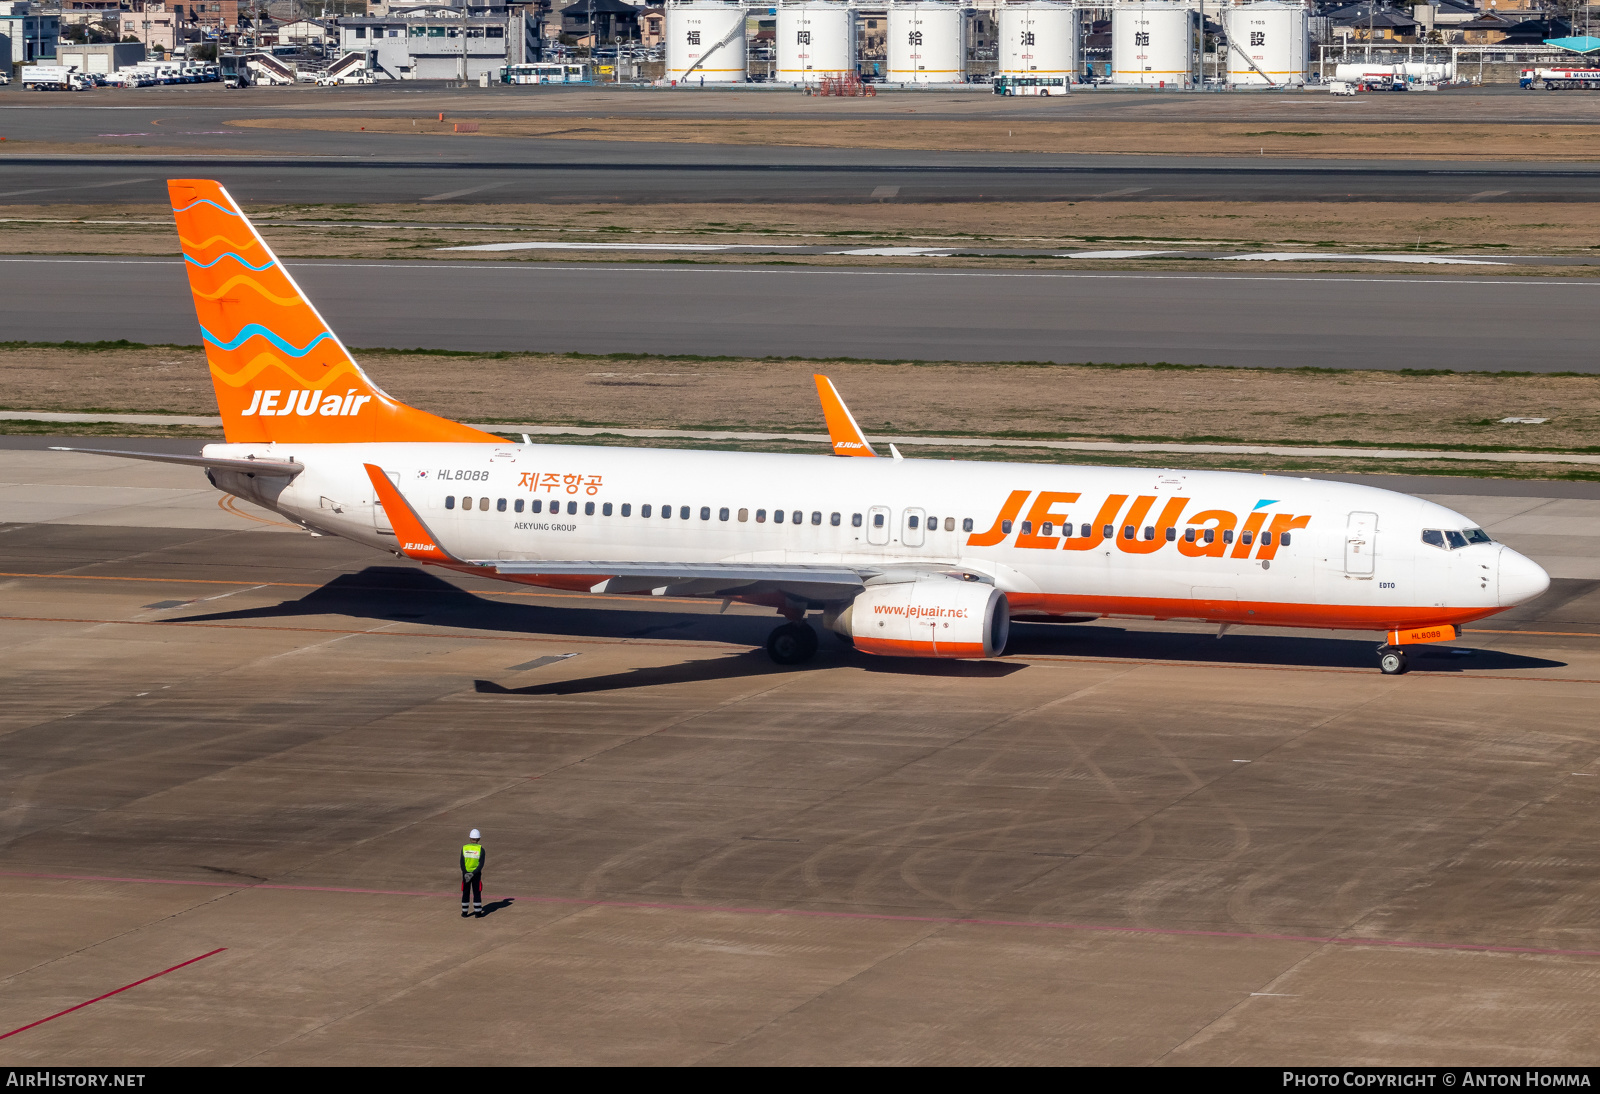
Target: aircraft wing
[{"x": 705, "y": 578}]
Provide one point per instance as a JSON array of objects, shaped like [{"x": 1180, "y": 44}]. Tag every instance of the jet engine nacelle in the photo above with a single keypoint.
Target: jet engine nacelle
[{"x": 927, "y": 617}]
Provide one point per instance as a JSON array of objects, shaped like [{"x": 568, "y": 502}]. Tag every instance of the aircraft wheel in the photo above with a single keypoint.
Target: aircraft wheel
[
  {"x": 792, "y": 644},
  {"x": 1392, "y": 662}
]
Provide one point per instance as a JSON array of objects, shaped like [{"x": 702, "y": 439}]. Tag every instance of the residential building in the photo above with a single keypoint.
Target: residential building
[
  {"x": 32, "y": 31},
  {"x": 154, "y": 26}
]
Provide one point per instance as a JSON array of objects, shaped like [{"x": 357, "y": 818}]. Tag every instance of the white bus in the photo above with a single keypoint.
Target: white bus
[
  {"x": 1031, "y": 85},
  {"x": 546, "y": 73}
]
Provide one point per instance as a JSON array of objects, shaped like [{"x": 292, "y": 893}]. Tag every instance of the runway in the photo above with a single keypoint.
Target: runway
[
  {"x": 1383, "y": 320},
  {"x": 1120, "y": 844},
  {"x": 573, "y": 172},
  {"x": 94, "y": 156}
]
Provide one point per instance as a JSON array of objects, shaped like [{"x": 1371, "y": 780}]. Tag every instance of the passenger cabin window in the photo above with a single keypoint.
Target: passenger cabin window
[
  {"x": 705, "y": 512},
  {"x": 1047, "y": 529},
  {"x": 877, "y": 521},
  {"x": 450, "y": 502},
  {"x": 1227, "y": 537},
  {"x": 761, "y": 516},
  {"x": 722, "y": 514},
  {"x": 605, "y": 510},
  {"x": 816, "y": 517},
  {"x": 537, "y": 506},
  {"x": 796, "y": 516},
  {"x": 500, "y": 505},
  {"x": 834, "y": 519},
  {"x": 517, "y": 505},
  {"x": 1172, "y": 533},
  {"x": 1085, "y": 531},
  {"x": 966, "y": 525},
  {"x": 1266, "y": 539},
  {"x": 666, "y": 512},
  {"x": 683, "y": 513},
  {"x": 644, "y": 510},
  {"x": 855, "y": 520},
  {"x": 588, "y": 508},
  {"x": 777, "y": 516},
  {"x": 1027, "y": 527},
  {"x": 1244, "y": 538},
  {"x": 627, "y": 510},
  {"x": 572, "y": 508},
  {"x": 1108, "y": 532},
  {"x": 911, "y": 522},
  {"x": 1283, "y": 540},
  {"x": 1005, "y": 527},
  {"x": 949, "y": 524},
  {"x": 744, "y": 516}
]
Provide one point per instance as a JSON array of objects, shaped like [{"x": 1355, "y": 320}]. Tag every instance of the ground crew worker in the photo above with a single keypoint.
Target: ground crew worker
[{"x": 472, "y": 859}]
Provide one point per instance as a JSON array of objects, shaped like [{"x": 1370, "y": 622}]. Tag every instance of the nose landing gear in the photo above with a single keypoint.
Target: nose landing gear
[
  {"x": 1392, "y": 660},
  {"x": 792, "y": 644}
]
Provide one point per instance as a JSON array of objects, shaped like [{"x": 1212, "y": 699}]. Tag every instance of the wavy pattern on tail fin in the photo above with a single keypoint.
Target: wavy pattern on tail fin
[{"x": 281, "y": 375}]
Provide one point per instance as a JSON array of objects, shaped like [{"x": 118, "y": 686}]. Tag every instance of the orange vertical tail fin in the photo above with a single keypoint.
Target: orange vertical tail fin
[
  {"x": 281, "y": 375},
  {"x": 848, "y": 440}
]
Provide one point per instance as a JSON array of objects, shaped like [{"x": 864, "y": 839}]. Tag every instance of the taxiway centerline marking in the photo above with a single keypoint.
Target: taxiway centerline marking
[
  {"x": 954, "y": 921},
  {"x": 109, "y": 994}
]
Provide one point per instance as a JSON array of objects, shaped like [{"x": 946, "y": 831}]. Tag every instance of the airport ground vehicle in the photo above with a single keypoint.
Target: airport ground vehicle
[
  {"x": 1559, "y": 79},
  {"x": 549, "y": 72},
  {"x": 1341, "y": 87},
  {"x": 1032, "y": 85},
  {"x": 54, "y": 78},
  {"x": 911, "y": 558}
]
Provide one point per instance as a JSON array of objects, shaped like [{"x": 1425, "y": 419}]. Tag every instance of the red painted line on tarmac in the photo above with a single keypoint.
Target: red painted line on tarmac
[
  {"x": 109, "y": 994},
  {"x": 954, "y": 921}
]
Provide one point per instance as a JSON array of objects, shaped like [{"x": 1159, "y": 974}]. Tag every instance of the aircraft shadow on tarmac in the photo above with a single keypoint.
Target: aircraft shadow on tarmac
[
  {"x": 750, "y": 664},
  {"x": 403, "y": 594},
  {"x": 1276, "y": 650}
]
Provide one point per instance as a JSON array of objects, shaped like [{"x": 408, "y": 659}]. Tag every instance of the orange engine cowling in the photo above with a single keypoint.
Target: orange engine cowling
[{"x": 931, "y": 616}]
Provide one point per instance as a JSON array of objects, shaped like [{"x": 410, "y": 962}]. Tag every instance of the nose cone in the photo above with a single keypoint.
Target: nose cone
[{"x": 1521, "y": 578}]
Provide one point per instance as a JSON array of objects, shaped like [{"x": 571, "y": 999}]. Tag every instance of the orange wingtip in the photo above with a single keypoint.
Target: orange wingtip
[
  {"x": 848, "y": 440},
  {"x": 416, "y": 541}
]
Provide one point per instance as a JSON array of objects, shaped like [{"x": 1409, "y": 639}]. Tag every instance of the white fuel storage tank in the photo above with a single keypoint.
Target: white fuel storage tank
[
  {"x": 1269, "y": 44},
  {"x": 815, "y": 40},
  {"x": 1039, "y": 39},
  {"x": 705, "y": 43},
  {"x": 1155, "y": 44},
  {"x": 927, "y": 44}
]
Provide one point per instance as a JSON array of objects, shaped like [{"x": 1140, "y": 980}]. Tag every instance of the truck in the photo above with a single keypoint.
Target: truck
[
  {"x": 54, "y": 78},
  {"x": 1559, "y": 79}
]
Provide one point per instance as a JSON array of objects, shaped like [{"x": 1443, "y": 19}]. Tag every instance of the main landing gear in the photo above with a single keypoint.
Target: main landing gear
[
  {"x": 792, "y": 644},
  {"x": 1392, "y": 660}
]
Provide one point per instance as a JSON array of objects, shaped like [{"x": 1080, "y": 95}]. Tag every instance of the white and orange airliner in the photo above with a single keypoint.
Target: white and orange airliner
[{"x": 907, "y": 558}]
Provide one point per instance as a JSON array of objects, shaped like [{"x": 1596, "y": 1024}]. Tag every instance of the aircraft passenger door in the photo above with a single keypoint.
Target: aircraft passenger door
[
  {"x": 1360, "y": 543},
  {"x": 878, "y": 525},
  {"x": 911, "y": 523},
  {"x": 380, "y": 516}
]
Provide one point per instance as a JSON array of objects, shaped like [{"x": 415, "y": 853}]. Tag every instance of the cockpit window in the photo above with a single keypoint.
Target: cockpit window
[{"x": 1449, "y": 539}]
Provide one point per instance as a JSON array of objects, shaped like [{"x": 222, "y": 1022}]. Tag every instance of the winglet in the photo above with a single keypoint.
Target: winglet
[
  {"x": 415, "y": 539},
  {"x": 848, "y": 440}
]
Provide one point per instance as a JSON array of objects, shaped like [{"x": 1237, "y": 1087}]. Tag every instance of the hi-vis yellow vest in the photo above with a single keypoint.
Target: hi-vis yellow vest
[{"x": 472, "y": 854}]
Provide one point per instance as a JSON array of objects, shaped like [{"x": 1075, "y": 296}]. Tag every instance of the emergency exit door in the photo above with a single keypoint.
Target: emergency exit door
[
  {"x": 911, "y": 527},
  {"x": 1360, "y": 543},
  {"x": 878, "y": 525}
]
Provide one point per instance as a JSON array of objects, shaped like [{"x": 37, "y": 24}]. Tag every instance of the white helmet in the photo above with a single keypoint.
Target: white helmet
[{"x": 474, "y": 834}]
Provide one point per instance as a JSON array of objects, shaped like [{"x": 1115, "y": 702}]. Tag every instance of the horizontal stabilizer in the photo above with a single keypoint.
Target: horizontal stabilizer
[{"x": 250, "y": 464}]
